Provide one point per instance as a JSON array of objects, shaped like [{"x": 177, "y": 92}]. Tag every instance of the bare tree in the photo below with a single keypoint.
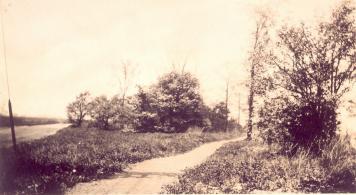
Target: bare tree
[
  {"x": 179, "y": 67},
  {"x": 257, "y": 58},
  {"x": 126, "y": 78}
]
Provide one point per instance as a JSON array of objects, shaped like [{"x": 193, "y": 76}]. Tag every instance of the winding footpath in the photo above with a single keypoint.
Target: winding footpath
[{"x": 149, "y": 176}]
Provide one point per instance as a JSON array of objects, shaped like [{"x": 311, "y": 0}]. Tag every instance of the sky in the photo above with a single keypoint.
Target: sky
[{"x": 59, "y": 48}]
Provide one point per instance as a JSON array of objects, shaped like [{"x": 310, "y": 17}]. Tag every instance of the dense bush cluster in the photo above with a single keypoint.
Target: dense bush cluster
[
  {"x": 52, "y": 164},
  {"x": 311, "y": 68},
  {"x": 307, "y": 125},
  {"x": 172, "y": 105}
]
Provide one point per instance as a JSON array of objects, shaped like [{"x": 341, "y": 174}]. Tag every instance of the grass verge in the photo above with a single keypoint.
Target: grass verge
[
  {"x": 245, "y": 167},
  {"x": 57, "y": 162}
]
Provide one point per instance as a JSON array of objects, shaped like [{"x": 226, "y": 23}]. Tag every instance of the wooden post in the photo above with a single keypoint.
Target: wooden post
[{"x": 12, "y": 126}]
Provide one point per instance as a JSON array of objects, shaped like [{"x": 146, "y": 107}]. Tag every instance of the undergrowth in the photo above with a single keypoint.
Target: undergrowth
[
  {"x": 57, "y": 162},
  {"x": 249, "y": 167}
]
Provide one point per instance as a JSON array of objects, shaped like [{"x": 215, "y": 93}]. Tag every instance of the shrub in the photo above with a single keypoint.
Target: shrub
[
  {"x": 272, "y": 119},
  {"x": 306, "y": 124},
  {"x": 311, "y": 125}
]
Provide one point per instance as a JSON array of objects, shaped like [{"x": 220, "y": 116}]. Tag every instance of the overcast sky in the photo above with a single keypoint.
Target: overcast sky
[{"x": 58, "y": 48}]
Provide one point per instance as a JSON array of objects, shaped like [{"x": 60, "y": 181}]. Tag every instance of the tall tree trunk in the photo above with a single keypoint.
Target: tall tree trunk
[
  {"x": 123, "y": 99},
  {"x": 250, "y": 102},
  {"x": 226, "y": 106}
]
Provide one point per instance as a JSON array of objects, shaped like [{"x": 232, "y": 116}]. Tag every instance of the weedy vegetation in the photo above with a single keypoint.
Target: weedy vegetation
[
  {"x": 251, "y": 167},
  {"x": 73, "y": 155}
]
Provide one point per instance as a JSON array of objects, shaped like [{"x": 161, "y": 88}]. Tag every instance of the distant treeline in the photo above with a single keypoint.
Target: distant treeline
[{"x": 20, "y": 120}]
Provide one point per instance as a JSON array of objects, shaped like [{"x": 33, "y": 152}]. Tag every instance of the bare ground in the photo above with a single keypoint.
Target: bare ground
[{"x": 149, "y": 176}]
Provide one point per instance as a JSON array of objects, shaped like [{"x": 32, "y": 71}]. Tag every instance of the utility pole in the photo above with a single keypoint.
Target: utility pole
[{"x": 12, "y": 125}]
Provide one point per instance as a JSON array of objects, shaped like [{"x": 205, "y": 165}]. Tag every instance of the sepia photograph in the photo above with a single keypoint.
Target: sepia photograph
[{"x": 177, "y": 97}]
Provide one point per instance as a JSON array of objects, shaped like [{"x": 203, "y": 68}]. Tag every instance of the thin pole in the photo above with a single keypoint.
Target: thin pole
[
  {"x": 4, "y": 50},
  {"x": 12, "y": 124}
]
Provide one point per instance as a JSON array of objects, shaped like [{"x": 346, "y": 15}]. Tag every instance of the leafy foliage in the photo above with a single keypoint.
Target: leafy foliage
[
  {"x": 216, "y": 118},
  {"x": 79, "y": 109},
  {"x": 314, "y": 69},
  {"x": 173, "y": 105},
  {"x": 219, "y": 116},
  {"x": 319, "y": 64},
  {"x": 103, "y": 112},
  {"x": 124, "y": 116},
  {"x": 147, "y": 119},
  {"x": 178, "y": 102},
  {"x": 303, "y": 125}
]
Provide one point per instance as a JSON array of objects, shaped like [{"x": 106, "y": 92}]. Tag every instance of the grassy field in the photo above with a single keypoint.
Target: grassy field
[
  {"x": 245, "y": 167},
  {"x": 54, "y": 163}
]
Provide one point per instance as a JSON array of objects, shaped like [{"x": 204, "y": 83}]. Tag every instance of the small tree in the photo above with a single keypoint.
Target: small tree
[
  {"x": 79, "y": 109},
  {"x": 257, "y": 59},
  {"x": 103, "y": 112}
]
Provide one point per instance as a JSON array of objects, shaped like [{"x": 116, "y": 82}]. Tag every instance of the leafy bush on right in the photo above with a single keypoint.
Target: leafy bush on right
[{"x": 312, "y": 68}]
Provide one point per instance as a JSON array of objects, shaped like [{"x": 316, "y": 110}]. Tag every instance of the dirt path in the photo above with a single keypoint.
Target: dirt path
[{"x": 149, "y": 176}]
